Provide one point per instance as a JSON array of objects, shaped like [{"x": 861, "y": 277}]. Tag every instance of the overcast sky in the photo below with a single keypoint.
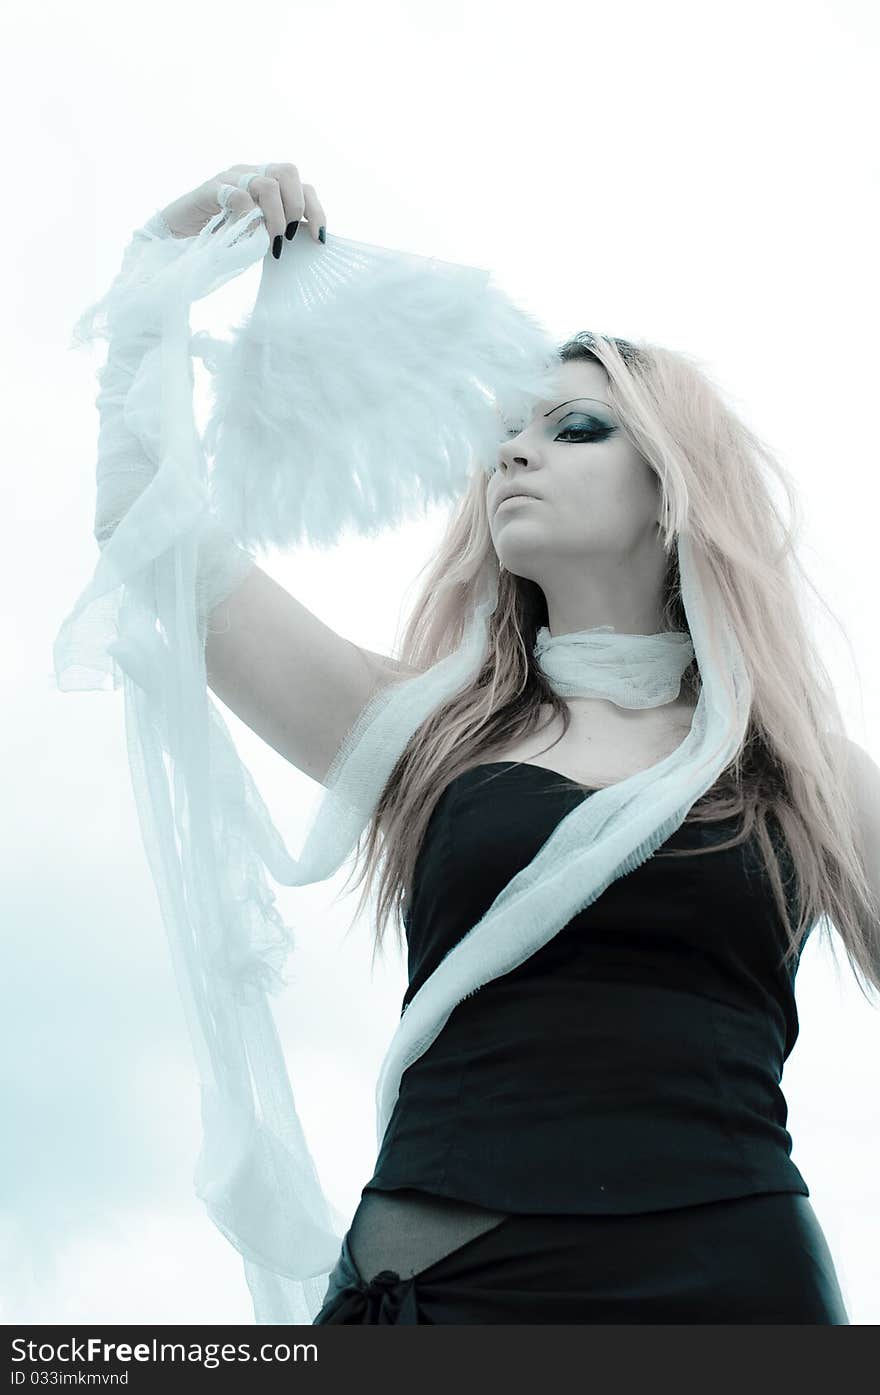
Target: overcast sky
[{"x": 702, "y": 175}]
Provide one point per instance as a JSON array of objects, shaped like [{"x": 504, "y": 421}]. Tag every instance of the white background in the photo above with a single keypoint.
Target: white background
[{"x": 702, "y": 175}]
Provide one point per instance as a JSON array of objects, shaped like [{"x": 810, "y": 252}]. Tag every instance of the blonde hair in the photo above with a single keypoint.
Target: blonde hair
[{"x": 708, "y": 464}]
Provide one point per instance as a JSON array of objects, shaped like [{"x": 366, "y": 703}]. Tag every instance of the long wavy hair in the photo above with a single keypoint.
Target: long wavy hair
[{"x": 787, "y": 769}]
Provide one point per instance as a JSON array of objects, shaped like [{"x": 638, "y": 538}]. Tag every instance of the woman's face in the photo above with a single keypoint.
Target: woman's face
[{"x": 590, "y": 494}]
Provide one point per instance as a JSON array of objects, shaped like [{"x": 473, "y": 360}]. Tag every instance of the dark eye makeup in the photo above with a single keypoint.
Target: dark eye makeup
[
  {"x": 592, "y": 427},
  {"x": 583, "y": 424}
]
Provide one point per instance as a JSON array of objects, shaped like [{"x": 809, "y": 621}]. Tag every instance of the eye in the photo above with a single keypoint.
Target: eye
[
  {"x": 585, "y": 428},
  {"x": 582, "y": 433}
]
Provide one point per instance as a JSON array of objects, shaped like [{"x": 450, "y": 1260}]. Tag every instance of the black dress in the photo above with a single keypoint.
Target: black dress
[{"x": 612, "y": 1106}]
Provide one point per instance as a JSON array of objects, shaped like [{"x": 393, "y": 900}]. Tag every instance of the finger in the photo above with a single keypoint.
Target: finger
[
  {"x": 291, "y": 193},
  {"x": 236, "y": 204},
  {"x": 314, "y": 211},
  {"x": 265, "y": 191},
  {"x": 236, "y": 200},
  {"x": 239, "y": 201}
]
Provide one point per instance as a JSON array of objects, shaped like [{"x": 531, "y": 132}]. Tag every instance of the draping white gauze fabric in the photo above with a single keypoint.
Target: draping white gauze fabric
[
  {"x": 433, "y": 359},
  {"x": 173, "y": 549}
]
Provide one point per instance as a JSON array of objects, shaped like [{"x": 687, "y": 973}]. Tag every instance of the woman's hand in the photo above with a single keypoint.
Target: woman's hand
[{"x": 284, "y": 199}]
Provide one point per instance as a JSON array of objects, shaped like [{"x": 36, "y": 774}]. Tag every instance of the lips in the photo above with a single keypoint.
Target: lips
[{"x": 507, "y": 498}]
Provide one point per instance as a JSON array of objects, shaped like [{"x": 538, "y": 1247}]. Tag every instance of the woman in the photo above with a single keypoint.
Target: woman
[
  {"x": 639, "y": 1169},
  {"x": 597, "y": 1135}
]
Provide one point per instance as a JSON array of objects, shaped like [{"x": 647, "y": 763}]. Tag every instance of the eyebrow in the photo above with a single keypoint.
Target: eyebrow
[{"x": 577, "y": 399}]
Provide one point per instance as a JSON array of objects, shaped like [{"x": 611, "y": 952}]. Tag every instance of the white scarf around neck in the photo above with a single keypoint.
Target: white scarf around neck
[{"x": 630, "y": 670}]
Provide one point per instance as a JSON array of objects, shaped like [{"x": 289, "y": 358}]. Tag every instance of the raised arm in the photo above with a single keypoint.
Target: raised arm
[
  {"x": 281, "y": 670},
  {"x": 292, "y": 679}
]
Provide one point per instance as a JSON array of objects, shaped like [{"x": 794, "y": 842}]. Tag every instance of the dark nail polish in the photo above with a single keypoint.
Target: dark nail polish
[
  {"x": 276, "y": 247},
  {"x": 291, "y": 229},
  {"x": 322, "y": 234}
]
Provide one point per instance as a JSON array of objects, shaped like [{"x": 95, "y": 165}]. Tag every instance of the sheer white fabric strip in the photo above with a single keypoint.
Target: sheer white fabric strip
[{"x": 169, "y": 555}]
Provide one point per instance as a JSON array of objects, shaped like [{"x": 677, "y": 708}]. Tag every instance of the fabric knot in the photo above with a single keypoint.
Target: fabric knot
[{"x": 380, "y": 1283}]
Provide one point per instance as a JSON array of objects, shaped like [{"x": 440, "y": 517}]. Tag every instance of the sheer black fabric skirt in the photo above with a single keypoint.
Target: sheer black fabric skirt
[{"x": 754, "y": 1259}]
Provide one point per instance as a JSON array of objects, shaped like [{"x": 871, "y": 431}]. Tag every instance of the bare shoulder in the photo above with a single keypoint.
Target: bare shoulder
[
  {"x": 862, "y": 776},
  {"x": 860, "y": 766}
]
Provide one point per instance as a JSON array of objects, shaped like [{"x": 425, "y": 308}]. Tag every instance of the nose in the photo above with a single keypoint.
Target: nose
[
  {"x": 505, "y": 460},
  {"x": 525, "y": 458},
  {"x": 513, "y": 465}
]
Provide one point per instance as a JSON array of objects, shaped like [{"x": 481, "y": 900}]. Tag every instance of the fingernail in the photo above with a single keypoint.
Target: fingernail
[
  {"x": 276, "y": 247},
  {"x": 322, "y": 234},
  {"x": 291, "y": 229}
]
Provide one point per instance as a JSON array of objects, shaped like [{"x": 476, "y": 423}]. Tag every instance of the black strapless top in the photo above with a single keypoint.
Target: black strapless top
[{"x": 633, "y": 1063}]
